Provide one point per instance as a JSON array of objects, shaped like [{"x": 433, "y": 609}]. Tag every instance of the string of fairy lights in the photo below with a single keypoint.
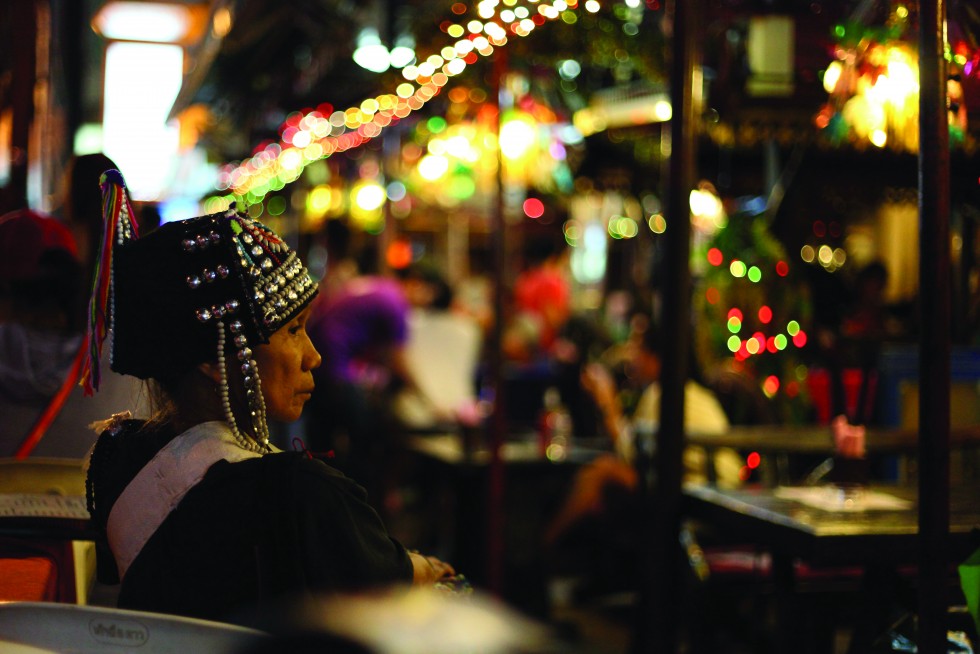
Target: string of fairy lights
[{"x": 325, "y": 131}]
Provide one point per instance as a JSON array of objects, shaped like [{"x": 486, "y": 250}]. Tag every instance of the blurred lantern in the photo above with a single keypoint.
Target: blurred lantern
[{"x": 873, "y": 84}]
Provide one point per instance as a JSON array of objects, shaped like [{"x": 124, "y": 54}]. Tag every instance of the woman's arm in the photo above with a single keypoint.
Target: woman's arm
[{"x": 598, "y": 382}]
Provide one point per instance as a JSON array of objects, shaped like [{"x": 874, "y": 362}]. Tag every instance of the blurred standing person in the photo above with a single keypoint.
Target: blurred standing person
[
  {"x": 442, "y": 351},
  {"x": 42, "y": 299},
  {"x": 542, "y": 300}
]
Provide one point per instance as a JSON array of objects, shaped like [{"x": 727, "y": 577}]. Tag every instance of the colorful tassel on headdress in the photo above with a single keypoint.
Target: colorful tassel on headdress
[{"x": 120, "y": 225}]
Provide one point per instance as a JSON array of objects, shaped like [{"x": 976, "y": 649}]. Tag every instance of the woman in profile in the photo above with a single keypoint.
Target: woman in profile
[{"x": 204, "y": 516}]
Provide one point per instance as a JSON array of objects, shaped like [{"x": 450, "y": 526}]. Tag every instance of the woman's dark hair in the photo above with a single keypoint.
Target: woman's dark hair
[{"x": 84, "y": 197}]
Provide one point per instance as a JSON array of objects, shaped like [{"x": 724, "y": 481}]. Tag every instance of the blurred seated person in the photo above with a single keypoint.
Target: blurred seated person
[
  {"x": 442, "y": 351},
  {"x": 362, "y": 332},
  {"x": 615, "y": 474},
  {"x": 541, "y": 301},
  {"x": 204, "y": 516},
  {"x": 42, "y": 309}
]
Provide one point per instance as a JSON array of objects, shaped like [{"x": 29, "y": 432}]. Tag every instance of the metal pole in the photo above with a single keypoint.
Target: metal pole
[
  {"x": 659, "y": 609},
  {"x": 934, "y": 346}
]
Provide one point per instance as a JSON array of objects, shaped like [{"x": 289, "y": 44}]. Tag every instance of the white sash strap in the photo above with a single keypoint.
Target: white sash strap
[{"x": 160, "y": 486}]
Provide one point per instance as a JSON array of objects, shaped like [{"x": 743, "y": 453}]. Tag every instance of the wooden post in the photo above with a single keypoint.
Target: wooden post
[
  {"x": 658, "y": 616},
  {"x": 498, "y": 422},
  {"x": 934, "y": 346}
]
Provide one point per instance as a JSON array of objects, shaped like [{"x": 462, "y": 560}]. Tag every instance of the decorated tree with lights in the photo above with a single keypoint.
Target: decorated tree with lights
[{"x": 753, "y": 315}]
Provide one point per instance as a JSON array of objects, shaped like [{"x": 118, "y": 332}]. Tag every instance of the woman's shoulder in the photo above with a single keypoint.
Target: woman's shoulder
[
  {"x": 134, "y": 438},
  {"x": 307, "y": 473},
  {"x": 124, "y": 446}
]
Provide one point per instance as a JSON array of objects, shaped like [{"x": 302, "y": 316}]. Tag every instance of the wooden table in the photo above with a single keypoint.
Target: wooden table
[
  {"x": 455, "y": 482},
  {"x": 778, "y": 443},
  {"x": 792, "y": 529}
]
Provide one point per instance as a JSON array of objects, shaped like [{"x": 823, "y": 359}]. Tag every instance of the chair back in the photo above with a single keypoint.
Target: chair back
[{"x": 77, "y": 629}]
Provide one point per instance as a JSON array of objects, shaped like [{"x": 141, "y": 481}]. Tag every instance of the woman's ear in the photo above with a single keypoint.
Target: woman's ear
[{"x": 211, "y": 371}]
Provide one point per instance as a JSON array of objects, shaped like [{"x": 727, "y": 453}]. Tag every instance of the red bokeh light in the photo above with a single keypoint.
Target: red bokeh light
[{"x": 533, "y": 208}]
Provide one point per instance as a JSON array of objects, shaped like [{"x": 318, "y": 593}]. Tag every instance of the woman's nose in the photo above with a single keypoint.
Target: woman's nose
[{"x": 312, "y": 358}]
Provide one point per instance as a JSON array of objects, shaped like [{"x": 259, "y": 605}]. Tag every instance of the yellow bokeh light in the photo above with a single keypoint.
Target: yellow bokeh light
[
  {"x": 432, "y": 167},
  {"x": 368, "y": 195},
  {"x": 318, "y": 201},
  {"x": 517, "y": 135}
]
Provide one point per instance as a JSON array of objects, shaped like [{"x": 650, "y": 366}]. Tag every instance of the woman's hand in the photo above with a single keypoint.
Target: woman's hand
[{"x": 428, "y": 569}]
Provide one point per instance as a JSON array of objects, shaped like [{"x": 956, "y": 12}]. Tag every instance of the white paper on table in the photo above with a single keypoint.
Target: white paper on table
[{"x": 833, "y": 498}]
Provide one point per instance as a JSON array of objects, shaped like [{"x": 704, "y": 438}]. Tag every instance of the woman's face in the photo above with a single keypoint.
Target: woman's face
[{"x": 286, "y": 365}]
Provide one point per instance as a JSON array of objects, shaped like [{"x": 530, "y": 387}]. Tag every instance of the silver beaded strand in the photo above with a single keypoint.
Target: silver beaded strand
[{"x": 241, "y": 439}]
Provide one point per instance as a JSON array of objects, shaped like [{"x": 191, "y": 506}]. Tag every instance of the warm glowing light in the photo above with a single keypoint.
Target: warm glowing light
[
  {"x": 141, "y": 83},
  {"x": 156, "y": 22},
  {"x": 251, "y": 179},
  {"x": 517, "y": 135},
  {"x": 715, "y": 257},
  {"x": 770, "y": 386},
  {"x": 318, "y": 200},
  {"x": 399, "y": 254},
  {"x": 832, "y": 75},
  {"x": 370, "y": 52},
  {"x": 657, "y": 223},
  {"x": 369, "y": 196},
  {"x": 433, "y": 166}
]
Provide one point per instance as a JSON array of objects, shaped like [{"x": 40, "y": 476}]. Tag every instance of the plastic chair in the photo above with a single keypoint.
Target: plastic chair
[
  {"x": 67, "y": 628},
  {"x": 38, "y": 568}
]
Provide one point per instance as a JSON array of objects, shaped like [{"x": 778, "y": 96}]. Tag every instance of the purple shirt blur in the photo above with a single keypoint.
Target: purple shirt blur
[{"x": 349, "y": 327}]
